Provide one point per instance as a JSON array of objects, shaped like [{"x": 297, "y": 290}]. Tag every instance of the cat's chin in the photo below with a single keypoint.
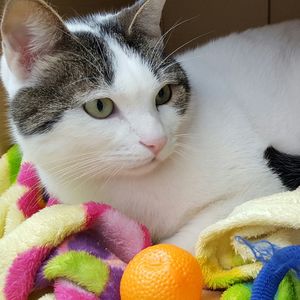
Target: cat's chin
[
  {"x": 148, "y": 166},
  {"x": 143, "y": 169}
]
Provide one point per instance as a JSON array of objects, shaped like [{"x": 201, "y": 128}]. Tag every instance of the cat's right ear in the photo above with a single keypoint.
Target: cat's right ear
[
  {"x": 143, "y": 17},
  {"x": 30, "y": 29}
]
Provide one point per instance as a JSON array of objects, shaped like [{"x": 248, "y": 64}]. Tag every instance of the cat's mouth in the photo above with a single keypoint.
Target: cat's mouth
[
  {"x": 146, "y": 163},
  {"x": 144, "y": 167},
  {"x": 149, "y": 164}
]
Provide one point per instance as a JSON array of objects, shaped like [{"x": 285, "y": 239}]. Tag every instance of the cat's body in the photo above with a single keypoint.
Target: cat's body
[{"x": 244, "y": 97}]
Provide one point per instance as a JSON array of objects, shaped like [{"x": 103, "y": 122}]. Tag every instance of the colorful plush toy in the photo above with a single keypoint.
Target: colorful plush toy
[
  {"x": 78, "y": 251},
  {"x": 54, "y": 251},
  {"x": 282, "y": 270},
  {"x": 234, "y": 250},
  {"x": 277, "y": 280}
]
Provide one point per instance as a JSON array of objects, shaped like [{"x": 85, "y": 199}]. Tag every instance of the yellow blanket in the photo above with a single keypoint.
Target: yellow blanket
[{"x": 225, "y": 260}]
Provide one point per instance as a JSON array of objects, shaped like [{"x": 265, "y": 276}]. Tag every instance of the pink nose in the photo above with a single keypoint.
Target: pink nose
[{"x": 156, "y": 145}]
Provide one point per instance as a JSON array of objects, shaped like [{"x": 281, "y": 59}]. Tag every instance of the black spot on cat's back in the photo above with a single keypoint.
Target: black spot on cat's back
[{"x": 285, "y": 166}]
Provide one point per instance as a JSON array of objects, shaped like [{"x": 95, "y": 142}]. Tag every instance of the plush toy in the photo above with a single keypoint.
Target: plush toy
[
  {"x": 50, "y": 250},
  {"x": 78, "y": 251},
  {"x": 274, "y": 218},
  {"x": 278, "y": 279},
  {"x": 280, "y": 275}
]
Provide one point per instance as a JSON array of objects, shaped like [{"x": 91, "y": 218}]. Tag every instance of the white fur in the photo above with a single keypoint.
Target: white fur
[
  {"x": 80, "y": 27},
  {"x": 245, "y": 97},
  {"x": 10, "y": 81}
]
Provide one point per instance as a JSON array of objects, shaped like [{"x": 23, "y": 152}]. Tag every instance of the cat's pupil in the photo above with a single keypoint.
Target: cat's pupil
[
  {"x": 161, "y": 93},
  {"x": 99, "y": 105}
]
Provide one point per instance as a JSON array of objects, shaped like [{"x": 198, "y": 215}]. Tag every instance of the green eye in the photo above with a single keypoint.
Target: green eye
[
  {"x": 164, "y": 95},
  {"x": 100, "y": 108}
]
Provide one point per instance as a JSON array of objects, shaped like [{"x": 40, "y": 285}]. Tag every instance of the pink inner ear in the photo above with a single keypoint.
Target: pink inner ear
[
  {"x": 27, "y": 58},
  {"x": 29, "y": 31},
  {"x": 22, "y": 43}
]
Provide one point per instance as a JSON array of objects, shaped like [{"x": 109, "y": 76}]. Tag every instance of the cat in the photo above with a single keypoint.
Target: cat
[{"x": 173, "y": 141}]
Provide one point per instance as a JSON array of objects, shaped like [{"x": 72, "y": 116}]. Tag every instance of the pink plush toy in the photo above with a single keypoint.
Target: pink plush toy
[{"x": 79, "y": 251}]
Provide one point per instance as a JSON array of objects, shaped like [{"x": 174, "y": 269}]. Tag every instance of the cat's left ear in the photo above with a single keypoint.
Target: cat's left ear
[
  {"x": 30, "y": 30},
  {"x": 143, "y": 17}
]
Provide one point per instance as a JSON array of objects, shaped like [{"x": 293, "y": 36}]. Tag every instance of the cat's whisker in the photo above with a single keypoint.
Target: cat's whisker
[
  {"x": 158, "y": 43},
  {"x": 66, "y": 166},
  {"x": 183, "y": 134},
  {"x": 71, "y": 177},
  {"x": 76, "y": 40},
  {"x": 92, "y": 160},
  {"x": 80, "y": 80},
  {"x": 187, "y": 147},
  {"x": 78, "y": 163},
  {"x": 102, "y": 56},
  {"x": 77, "y": 168},
  {"x": 176, "y": 152},
  {"x": 71, "y": 159},
  {"x": 183, "y": 45},
  {"x": 115, "y": 173},
  {"x": 161, "y": 40},
  {"x": 90, "y": 173},
  {"x": 84, "y": 58},
  {"x": 93, "y": 172},
  {"x": 188, "y": 135},
  {"x": 62, "y": 161},
  {"x": 180, "y": 61},
  {"x": 72, "y": 164}
]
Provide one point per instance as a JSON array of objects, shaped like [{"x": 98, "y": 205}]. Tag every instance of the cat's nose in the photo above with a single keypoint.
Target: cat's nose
[{"x": 155, "y": 145}]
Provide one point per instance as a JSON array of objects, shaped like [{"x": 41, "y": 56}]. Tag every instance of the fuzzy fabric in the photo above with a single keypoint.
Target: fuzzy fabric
[
  {"x": 277, "y": 280},
  {"x": 222, "y": 250},
  {"x": 79, "y": 251},
  {"x": 281, "y": 270},
  {"x": 235, "y": 250}
]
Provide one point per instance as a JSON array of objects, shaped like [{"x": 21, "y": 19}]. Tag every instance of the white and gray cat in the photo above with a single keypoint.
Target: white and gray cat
[{"x": 174, "y": 142}]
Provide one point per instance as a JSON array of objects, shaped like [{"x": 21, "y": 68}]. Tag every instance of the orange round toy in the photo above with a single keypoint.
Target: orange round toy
[{"x": 162, "y": 272}]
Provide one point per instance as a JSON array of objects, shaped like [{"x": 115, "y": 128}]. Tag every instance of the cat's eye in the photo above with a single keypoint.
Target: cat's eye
[
  {"x": 99, "y": 108},
  {"x": 164, "y": 95}
]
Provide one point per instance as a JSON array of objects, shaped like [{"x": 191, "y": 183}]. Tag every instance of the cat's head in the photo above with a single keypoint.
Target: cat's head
[{"x": 94, "y": 95}]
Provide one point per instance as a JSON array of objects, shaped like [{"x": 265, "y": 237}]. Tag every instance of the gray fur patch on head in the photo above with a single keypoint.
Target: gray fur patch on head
[
  {"x": 170, "y": 70},
  {"x": 81, "y": 62}
]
